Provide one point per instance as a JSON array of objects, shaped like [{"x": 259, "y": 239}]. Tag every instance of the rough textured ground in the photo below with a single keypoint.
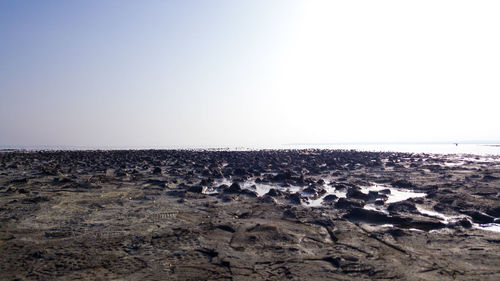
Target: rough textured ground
[{"x": 141, "y": 215}]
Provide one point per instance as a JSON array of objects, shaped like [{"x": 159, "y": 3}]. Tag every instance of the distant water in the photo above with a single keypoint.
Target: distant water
[{"x": 475, "y": 149}]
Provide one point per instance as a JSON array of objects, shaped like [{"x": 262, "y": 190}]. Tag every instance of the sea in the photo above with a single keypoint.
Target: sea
[
  {"x": 430, "y": 148},
  {"x": 433, "y": 148}
]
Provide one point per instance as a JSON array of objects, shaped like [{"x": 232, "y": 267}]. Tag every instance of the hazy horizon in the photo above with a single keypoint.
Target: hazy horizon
[
  {"x": 248, "y": 73},
  {"x": 332, "y": 145}
]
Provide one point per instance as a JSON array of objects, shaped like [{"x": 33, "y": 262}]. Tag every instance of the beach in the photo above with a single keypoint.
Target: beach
[{"x": 298, "y": 214}]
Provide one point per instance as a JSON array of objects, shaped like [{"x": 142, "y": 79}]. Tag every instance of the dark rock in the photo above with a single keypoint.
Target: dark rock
[
  {"x": 227, "y": 198},
  {"x": 403, "y": 184},
  {"x": 95, "y": 206},
  {"x": 223, "y": 187},
  {"x": 419, "y": 200},
  {"x": 240, "y": 172},
  {"x": 320, "y": 192},
  {"x": 396, "y": 232},
  {"x": 356, "y": 194},
  {"x": 330, "y": 198},
  {"x": 479, "y": 217},
  {"x": 402, "y": 207},
  {"x": 290, "y": 214},
  {"x": 425, "y": 225},
  {"x": 295, "y": 198},
  {"x": 267, "y": 199},
  {"x": 489, "y": 177},
  {"x": 370, "y": 216},
  {"x": 300, "y": 180},
  {"x": 494, "y": 212},
  {"x": 177, "y": 193},
  {"x": 226, "y": 228},
  {"x": 157, "y": 170},
  {"x": 465, "y": 223},
  {"x": 159, "y": 183},
  {"x": 275, "y": 193},
  {"x": 428, "y": 188},
  {"x": 439, "y": 207},
  {"x": 207, "y": 182},
  {"x": 341, "y": 186},
  {"x": 432, "y": 194},
  {"x": 217, "y": 173},
  {"x": 35, "y": 200},
  {"x": 197, "y": 189},
  {"x": 63, "y": 180},
  {"x": 360, "y": 214},
  {"x": 283, "y": 176},
  {"x": 381, "y": 197},
  {"x": 372, "y": 195},
  {"x": 120, "y": 173},
  {"x": 344, "y": 203},
  {"x": 314, "y": 191},
  {"x": 249, "y": 193},
  {"x": 234, "y": 188},
  {"x": 310, "y": 190},
  {"x": 22, "y": 191},
  {"x": 58, "y": 234},
  {"x": 324, "y": 222}
]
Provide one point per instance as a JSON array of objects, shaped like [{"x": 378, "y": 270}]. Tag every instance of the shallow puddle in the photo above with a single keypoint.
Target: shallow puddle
[
  {"x": 444, "y": 218},
  {"x": 495, "y": 227},
  {"x": 396, "y": 195},
  {"x": 260, "y": 188},
  {"x": 373, "y": 207}
]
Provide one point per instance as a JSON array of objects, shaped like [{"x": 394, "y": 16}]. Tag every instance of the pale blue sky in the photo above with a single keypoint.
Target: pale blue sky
[{"x": 243, "y": 73}]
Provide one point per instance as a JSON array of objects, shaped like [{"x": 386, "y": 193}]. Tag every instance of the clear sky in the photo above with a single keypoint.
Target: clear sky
[{"x": 248, "y": 73}]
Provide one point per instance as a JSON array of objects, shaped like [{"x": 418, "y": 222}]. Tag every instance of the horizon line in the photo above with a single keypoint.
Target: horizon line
[{"x": 180, "y": 147}]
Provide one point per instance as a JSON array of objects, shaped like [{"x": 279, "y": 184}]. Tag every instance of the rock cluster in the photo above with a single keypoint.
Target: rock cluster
[{"x": 191, "y": 215}]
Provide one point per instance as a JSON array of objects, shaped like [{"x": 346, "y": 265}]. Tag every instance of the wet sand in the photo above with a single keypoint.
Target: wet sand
[{"x": 248, "y": 215}]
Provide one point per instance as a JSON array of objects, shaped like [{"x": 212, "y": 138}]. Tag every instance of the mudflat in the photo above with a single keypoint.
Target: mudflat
[{"x": 248, "y": 215}]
